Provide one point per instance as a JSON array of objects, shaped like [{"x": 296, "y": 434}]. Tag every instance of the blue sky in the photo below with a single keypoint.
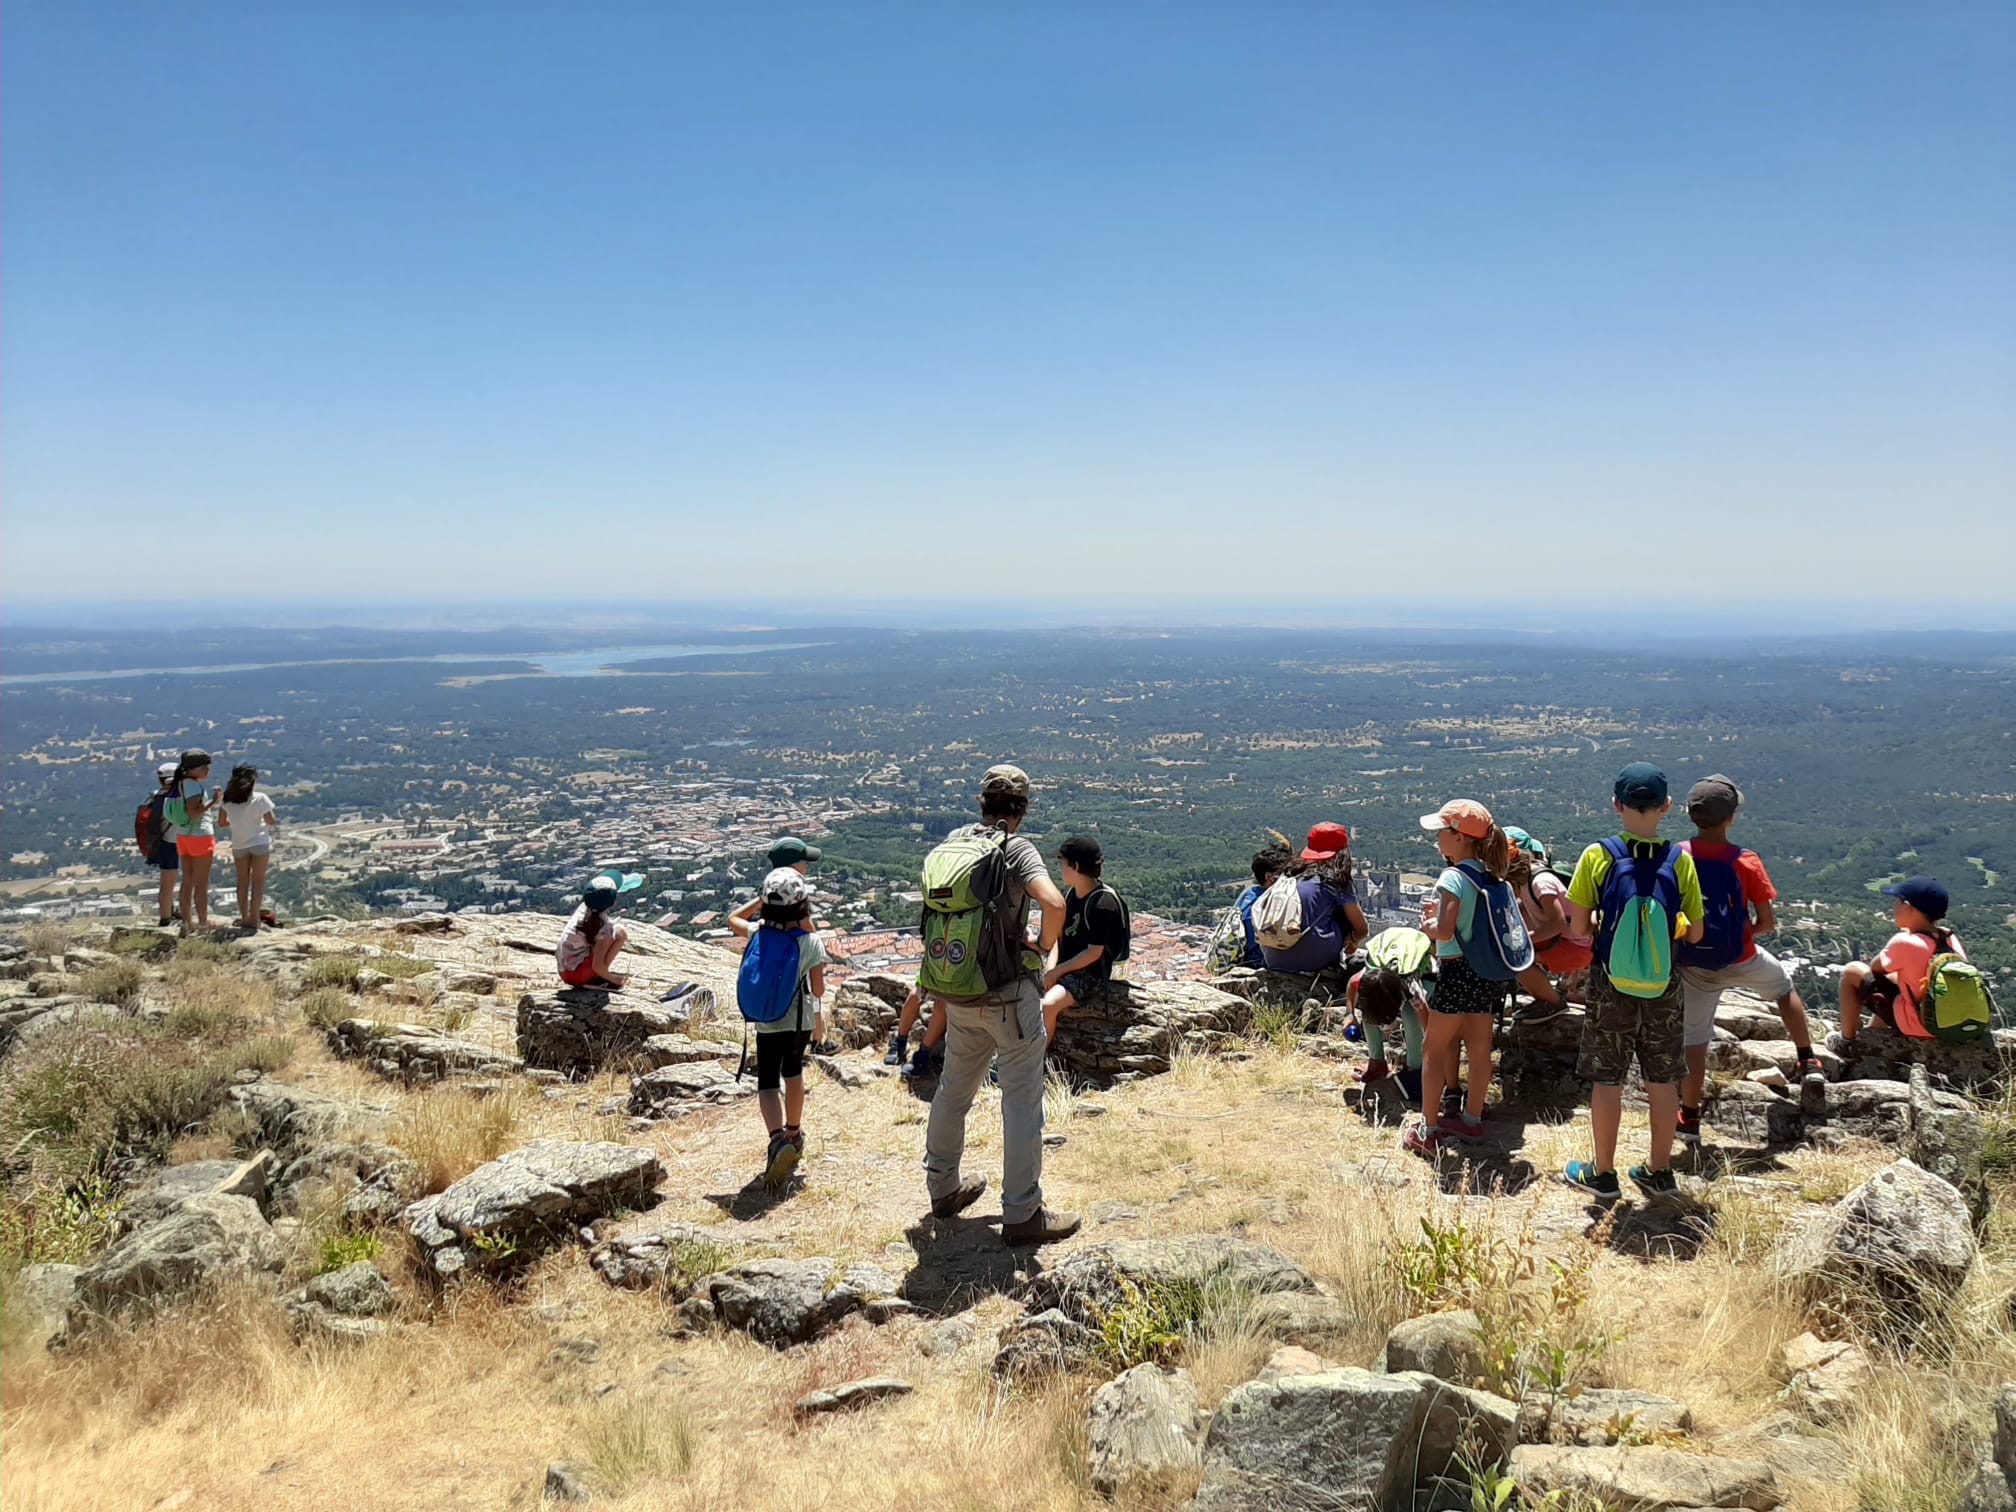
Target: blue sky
[{"x": 1156, "y": 303}]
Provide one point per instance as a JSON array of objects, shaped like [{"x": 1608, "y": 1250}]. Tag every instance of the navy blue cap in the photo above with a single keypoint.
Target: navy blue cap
[
  {"x": 1641, "y": 785},
  {"x": 1927, "y": 896}
]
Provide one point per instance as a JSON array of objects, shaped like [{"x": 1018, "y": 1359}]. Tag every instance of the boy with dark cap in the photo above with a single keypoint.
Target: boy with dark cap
[
  {"x": 1627, "y": 893},
  {"x": 785, "y": 850},
  {"x": 1736, "y": 897},
  {"x": 1892, "y": 986},
  {"x": 1095, "y": 932}
]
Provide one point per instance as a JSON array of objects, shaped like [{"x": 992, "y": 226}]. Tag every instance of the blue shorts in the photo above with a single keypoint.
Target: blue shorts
[{"x": 166, "y": 857}]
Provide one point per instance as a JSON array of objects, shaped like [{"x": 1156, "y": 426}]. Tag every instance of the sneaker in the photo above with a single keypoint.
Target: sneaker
[
  {"x": 1689, "y": 1126},
  {"x": 898, "y": 1051},
  {"x": 1453, "y": 1099},
  {"x": 1409, "y": 1081},
  {"x": 1463, "y": 1126},
  {"x": 1583, "y": 1174},
  {"x": 1041, "y": 1227},
  {"x": 1421, "y": 1140},
  {"x": 1840, "y": 1044},
  {"x": 1811, "y": 1072},
  {"x": 1656, "y": 1185},
  {"x": 1372, "y": 1071},
  {"x": 954, "y": 1203},
  {"x": 1537, "y": 1012},
  {"x": 782, "y": 1161},
  {"x": 925, "y": 1064}
]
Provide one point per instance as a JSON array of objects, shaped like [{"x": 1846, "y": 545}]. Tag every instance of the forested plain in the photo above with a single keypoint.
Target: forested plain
[{"x": 1860, "y": 760}]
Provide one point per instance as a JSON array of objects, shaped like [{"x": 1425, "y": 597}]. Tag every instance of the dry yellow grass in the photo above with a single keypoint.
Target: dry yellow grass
[{"x": 467, "y": 1410}]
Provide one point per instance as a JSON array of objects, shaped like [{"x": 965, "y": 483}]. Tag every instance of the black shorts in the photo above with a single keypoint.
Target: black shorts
[
  {"x": 780, "y": 1058},
  {"x": 1879, "y": 996},
  {"x": 1083, "y": 985},
  {"x": 1459, "y": 990}
]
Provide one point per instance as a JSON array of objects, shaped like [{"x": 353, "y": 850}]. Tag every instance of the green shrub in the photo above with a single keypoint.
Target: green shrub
[
  {"x": 1150, "y": 1322},
  {"x": 339, "y": 1250},
  {"x": 114, "y": 982},
  {"x": 326, "y": 1007},
  {"x": 1278, "y": 1024},
  {"x": 46, "y": 1222},
  {"x": 333, "y": 971}
]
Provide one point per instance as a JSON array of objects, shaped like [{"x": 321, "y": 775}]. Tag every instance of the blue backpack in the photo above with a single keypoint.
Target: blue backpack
[
  {"x": 766, "y": 988},
  {"x": 1498, "y": 946},
  {"x": 1640, "y": 901},
  {"x": 1726, "y": 913}
]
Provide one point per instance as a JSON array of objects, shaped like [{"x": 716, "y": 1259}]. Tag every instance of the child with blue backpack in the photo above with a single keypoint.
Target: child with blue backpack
[
  {"x": 1481, "y": 946},
  {"x": 1736, "y": 898},
  {"x": 779, "y": 987},
  {"x": 1636, "y": 894}
]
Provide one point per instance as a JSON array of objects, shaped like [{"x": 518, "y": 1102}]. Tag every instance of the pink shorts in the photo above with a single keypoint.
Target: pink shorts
[
  {"x": 1561, "y": 956},
  {"x": 195, "y": 845}
]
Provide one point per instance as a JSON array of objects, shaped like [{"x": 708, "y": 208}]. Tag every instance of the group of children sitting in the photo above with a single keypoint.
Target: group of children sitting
[{"x": 1655, "y": 930}]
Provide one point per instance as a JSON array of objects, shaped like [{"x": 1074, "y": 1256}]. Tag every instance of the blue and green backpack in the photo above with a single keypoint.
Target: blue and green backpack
[{"x": 1640, "y": 902}]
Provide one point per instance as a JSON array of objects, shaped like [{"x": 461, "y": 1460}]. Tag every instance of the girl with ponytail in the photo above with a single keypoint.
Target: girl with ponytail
[{"x": 1462, "y": 1011}]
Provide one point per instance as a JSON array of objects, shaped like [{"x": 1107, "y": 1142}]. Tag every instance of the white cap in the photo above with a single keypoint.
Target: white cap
[{"x": 786, "y": 885}]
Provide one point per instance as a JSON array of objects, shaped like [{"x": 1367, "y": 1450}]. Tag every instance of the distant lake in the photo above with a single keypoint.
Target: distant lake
[{"x": 599, "y": 662}]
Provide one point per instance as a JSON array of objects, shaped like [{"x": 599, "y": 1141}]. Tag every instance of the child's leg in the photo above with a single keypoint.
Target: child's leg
[
  {"x": 1375, "y": 1043},
  {"x": 1476, "y": 1029},
  {"x": 199, "y": 882},
  {"x": 1539, "y": 986},
  {"x": 1854, "y": 978},
  {"x": 608, "y": 945},
  {"x": 185, "y": 889},
  {"x": 793, "y": 1071},
  {"x": 1055, "y": 1001},
  {"x": 170, "y": 880},
  {"x": 1792, "y": 1009},
  {"x": 913, "y": 1005},
  {"x": 770, "y": 1079},
  {"x": 1696, "y": 1085},
  {"x": 794, "y": 1100},
  {"x": 934, "y": 1032},
  {"x": 1438, "y": 1063},
  {"x": 1412, "y": 1034},
  {"x": 1662, "y": 1060},
  {"x": 1664, "y": 1099},
  {"x": 1606, "y": 1113},
  {"x": 241, "y": 880},
  {"x": 260, "y": 861}
]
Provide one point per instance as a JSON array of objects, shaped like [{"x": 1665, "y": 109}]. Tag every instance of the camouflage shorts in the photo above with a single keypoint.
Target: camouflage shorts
[{"x": 1620, "y": 1028}]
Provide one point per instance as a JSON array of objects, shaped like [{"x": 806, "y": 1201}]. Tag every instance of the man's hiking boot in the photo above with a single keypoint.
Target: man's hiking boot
[
  {"x": 1658, "y": 1186},
  {"x": 954, "y": 1203},
  {"x": 1421, "y": 1140},
  {"x": 1599, "y": 1184},
  {"x": 1688, "y": 1127},
  {"x": 897, "y": 1051},
  {"x": 1372, "y": 1071},
  {"x": 1040, "y": 1227},
  {"x": 782, "y": 1160}
]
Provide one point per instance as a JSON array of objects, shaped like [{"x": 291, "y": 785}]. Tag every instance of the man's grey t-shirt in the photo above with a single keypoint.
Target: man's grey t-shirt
[{"x": 1025, "y": 868}]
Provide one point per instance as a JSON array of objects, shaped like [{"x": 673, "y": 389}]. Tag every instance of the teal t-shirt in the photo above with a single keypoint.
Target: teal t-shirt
[{"x": 1456, "y": 882}]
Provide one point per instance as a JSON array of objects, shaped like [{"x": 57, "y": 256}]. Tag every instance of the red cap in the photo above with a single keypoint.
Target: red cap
[
  {"x": 1325, "y": 841},
  {"x": 1464, "y": 815}
]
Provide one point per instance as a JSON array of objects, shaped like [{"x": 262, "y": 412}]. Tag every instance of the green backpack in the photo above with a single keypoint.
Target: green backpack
[
  {"x": 971, "y": 942},
  {"x": 1956, "y": 1005}
]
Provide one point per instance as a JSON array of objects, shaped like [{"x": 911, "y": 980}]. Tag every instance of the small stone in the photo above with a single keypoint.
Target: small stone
[
  {"x": 579, "y": 1350},
  {"x": 1293, "y": 1360},
  {"x": 852, "y": 1394},
  {"x": 948, "y": 1338},
  {"x": 1449, "y": 1346},
  {"x": 1145, "y": 1428},
  {"x": 564, "y": 1483}
]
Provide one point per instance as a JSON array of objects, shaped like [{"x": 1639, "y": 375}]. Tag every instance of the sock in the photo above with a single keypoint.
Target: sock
[
  {"x": 1687, "y": 1112},
  {"x": 899, "y": 1039},
  {"x": 1804, "y": 1052}
]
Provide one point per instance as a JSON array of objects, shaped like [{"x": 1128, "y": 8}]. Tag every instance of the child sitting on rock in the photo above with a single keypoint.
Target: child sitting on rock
[
  {"x": 1892, "y": 986},
  {"x": 928, "y": 1057},
  {"x": 591, "y": 941}
]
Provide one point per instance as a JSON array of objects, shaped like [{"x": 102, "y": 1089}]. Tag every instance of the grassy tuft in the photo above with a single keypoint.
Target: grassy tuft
[
  {"x": 450, "y": 1133},
  {"x": 326, "y": 1007},
  {"x": 117, "y": 982},
  {"x": 333, "y": 971},
  {"x": 339, "y": 1250},
  {"x": 631, "y": 1443}
]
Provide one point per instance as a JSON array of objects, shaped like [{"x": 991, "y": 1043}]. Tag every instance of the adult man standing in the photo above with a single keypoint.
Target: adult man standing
[{"x": 1005, "y": 1021}]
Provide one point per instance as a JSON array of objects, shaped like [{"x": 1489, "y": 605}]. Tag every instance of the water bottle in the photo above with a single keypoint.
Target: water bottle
[{"x": 1354, "y": 1032}]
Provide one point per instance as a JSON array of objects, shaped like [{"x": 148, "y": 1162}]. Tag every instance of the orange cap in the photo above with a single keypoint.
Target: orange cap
[{"x": 1464, "y": 815}]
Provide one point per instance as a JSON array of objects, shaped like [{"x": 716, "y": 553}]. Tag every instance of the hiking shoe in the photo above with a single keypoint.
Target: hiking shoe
[
  {"x": 1421, "y": 1140},
  {"x": 1657, "y": 1185},
  {"x": 925, "y": 1064},
  {"x": 1040, "y": 1227},
  {"x": 897, "y": 1051},
  {"x": 1537, "y": 1012},
  {"x": 1463, "y": 1126},
  {"x": 1409, "y": 1081},
  {"x": 1840, "y": 1044},
  {"x": 1372, "y": 1071},
  {"x": 783, "y": 1160},
  {"x": 1688, "y": 1126},
  {"x": 1811, "y": 1073},
  {"x": 954, "y": 1203},
  {"x": 1603, "y": 1184}
]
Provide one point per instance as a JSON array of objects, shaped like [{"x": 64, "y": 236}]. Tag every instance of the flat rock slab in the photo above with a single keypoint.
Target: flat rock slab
[
  {"x": 206, "y": 1239},
  {"x": 1904, "y": 1232},
  {"x": 581, "y": 1032},
  {"x": 416, "y": 1053},
  {"x": 782, "y": 1302},
  {"x": 293, "y": 1119},
  {"x": 681, "y": 1050},
  {"x": 376, "y": 1180},
  {"x": 852, "y": 1394},
  {"x": 1089, "y": 1282},
  {"x": 167, "y": 1189},
  {"x": 1313, "y": 1443},
  {"x": 1599, "y": 1416},
  {"x": 1645, "y": 1479},
  {"x": 518, "y": 1197},
  {"x": 672, "y": 1090},
  {"x": 1136, "y": 1028}
]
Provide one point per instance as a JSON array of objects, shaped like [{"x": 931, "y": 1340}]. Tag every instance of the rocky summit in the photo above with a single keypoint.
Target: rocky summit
[{"x": 374, "y": 1213}]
